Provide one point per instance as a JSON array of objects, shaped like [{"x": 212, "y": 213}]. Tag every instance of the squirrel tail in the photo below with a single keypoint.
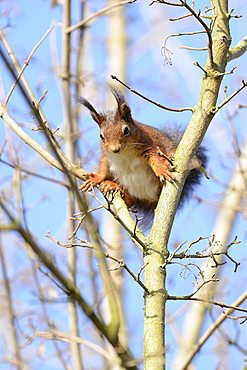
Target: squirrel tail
[{"x": 195, "y": 175}]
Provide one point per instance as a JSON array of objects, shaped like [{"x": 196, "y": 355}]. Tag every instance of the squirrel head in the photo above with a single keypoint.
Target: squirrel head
[{"x": 117, "y": 126}]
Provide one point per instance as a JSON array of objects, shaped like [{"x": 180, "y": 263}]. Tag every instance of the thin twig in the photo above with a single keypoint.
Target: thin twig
[
  {"x": 195, "y": 242},
  {"x": 149, "y": 100},
  {"x": 140, "y": 241},
  {"x": 220, "y": 304},
  {"x": 199, "y": 19},
  {"x": 85, "y": 244},
  {"x": 179, "y": 18},
  {"x": 66, "y": 168},
  {"x": 26, "y": 64},
  {"x": 84, "y": 22},
  {"x": 9, "y": 304},
  {"x": 174, "y": 252},
  {"x": 165, "y": 49},
  {"x": 141, "y": 269},
  {"x": 191, "y": 296},
  {"x": 244, "y": 84},
  {"x": 42, "y": 97},
  {"x": 199, "y": 66},
  {"x": 39, "y": 287},
  {"x": 81, "y": 221},
  {"x": 211, "y": 330},
  {"x": 28, "y": 172},
  {"x": 212, "y": 255},
  {"x": 67, "y": 337},
  {"x": 164, "y": 2},
  {"x": 123, "y": 264},
  {"x": 192, "y": 48},
  {"x": 204, "y": 25},
  {"x": 227, "y": 73}
]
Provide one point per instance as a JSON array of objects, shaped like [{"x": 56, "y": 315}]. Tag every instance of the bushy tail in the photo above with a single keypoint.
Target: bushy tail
[{"x": 194, "y": 178}]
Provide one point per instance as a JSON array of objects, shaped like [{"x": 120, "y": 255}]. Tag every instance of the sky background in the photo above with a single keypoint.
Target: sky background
[{"x": 175, "y": 85}]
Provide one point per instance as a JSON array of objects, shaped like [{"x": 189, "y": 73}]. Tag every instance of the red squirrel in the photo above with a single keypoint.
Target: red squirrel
[{"x": 136, "y": 159}]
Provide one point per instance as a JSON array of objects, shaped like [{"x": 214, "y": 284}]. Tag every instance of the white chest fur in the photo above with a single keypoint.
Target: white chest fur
[{"x": 134, "y": 174}]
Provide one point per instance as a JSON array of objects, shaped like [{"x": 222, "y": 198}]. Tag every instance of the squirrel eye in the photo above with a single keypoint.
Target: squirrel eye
[
  {"x": 101, "y": 136},
  {"x": 126, "y": 131}
]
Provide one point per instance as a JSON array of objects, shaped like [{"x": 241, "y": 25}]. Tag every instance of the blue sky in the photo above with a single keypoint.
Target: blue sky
[{"x": 175, "y": 85}]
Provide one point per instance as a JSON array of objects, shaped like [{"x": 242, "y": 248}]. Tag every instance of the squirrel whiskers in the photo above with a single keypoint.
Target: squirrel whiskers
[{"x": 136, "y": 159}]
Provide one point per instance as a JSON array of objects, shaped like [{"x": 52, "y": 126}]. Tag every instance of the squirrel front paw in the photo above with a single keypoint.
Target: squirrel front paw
[
  {"x": 92, "y": 180},
  {"x": 107, "y": 187},
  {"x": 163, "y": 170},
  {"x": 110, "y": 188},
  {"x": 164, "y": 173},
  {"x": 162, "y": 165}
]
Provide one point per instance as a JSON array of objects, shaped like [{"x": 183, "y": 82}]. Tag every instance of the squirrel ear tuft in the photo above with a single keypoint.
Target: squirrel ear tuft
[
  {"x": 118, "y": 95},
  {"x": 123, "y": 108},
  {"x": 95, "y": 115}
]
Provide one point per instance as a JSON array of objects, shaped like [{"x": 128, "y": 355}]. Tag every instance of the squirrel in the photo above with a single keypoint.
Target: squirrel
[{"x": 136, "y": 159}]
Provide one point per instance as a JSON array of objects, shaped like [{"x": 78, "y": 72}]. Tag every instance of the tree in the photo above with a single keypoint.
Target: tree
[{"x": 91, "y": 302}]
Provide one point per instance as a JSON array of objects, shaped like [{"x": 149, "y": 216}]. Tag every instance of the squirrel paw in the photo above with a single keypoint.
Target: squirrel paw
[
  {"x": 92, "y": 181},
  {"x": 110, "y": 188},
  {"x": 162, "y": 165},
  {"x": 107, "y": 187},
  {"x": 164, "y": 173}
]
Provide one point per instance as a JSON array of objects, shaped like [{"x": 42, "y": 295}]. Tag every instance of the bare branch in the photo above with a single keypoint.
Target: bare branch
[
  {"x": 60, "y": 335},
  {"x": 179, "y": 18},
  {"x": 149, "y": 100},
  {"x": 9, "y": 297},
  {"x": 165, "y": 2},
  {"x": 244, "y": 84},
  {"x": 199, "y": 19},
  {"x": 26, "y": 64},
  {"x": 193, "y": 48},
  {"x": 31, "y": 173},
  {"x": 85, "y": 244},
  {"x": 199, "y": 66},
  {"x": 204, "y": 25},
  {"x": 212, "y": 328},
  {"x": 237, "y": 50},
  {"x": 84, "y": 22},
  {"x": 38, "y": 148},
  {"x": 166, "y": 50},
  {"x": 123, "y": 217},
  {"x": 71, "y": 289},
  {"x": 220, "y": 304},
  {"x": 122, "y": 264},
  {"x": 184, "y": 255}
]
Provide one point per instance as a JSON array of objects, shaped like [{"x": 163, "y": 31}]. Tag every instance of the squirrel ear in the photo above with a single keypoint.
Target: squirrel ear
[
  {"x": 98, "y": 118},
  {"x": 124, "y": 112},
  {"x": 95, "y": 115}
]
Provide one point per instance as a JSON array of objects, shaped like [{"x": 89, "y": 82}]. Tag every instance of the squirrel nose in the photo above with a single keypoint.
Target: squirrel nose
[{"x": 115, "y": 148}]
